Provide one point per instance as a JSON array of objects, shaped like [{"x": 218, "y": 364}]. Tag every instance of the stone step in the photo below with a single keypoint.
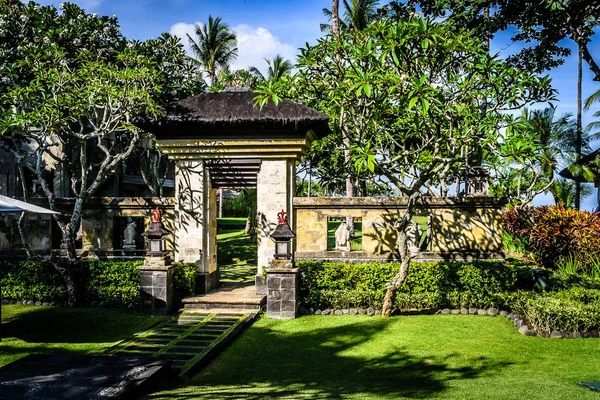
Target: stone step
[
  {"x": 190, "y": 340},
  {"x": 228, "y": 297},
  {"x": 224, "y": 307}
]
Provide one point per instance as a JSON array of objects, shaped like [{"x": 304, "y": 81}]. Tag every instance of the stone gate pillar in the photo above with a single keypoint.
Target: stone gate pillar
[
  {"x": 276, "y": 186},
  {"x": 195, "y": 222}
]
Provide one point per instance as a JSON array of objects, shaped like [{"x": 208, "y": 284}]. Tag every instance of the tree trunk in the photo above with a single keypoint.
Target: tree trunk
[
  {"x": 579, "y": 127},
  {"x": 66, "y": 269},
  {"x": 402, "y": 243},
  {"x": 398, "y": 280},
  {"x": 335, "y": 17},
  {"x": 248, "y": 225}
]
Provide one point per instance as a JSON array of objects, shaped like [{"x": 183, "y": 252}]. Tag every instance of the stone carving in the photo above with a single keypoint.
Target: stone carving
[
  {"x": 130, "y": 234},
  {"x": 342, "y": 237},
  {"x": 414, "y": 237}
]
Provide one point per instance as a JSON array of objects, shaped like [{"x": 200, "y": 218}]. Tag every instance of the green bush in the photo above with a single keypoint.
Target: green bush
[
  {"x": 576, "y": 309},
  {"x": 115, "y": 283},
  {"x": 31, "y": 280},
  {"x": 112, "y": 282},
  {"x": 428, "y": 284},
  {"x": 555, "y": 233},
  {"x": 185, "y": 280}
]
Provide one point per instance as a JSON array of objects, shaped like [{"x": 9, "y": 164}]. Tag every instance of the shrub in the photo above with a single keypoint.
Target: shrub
[
  {"x": 555, "y": 233},
  {"x": 31, "y": 280},
  {"x": 185, "y": 280},
  {"x": 576, "y": 309},
  {"x": 112, "y": 282},
  {"x": 428, "y": 285}
]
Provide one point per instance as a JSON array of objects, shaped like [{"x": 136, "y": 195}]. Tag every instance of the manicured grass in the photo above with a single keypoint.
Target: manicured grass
[
  {"x": 48, "y": 330},
  {"x": 233, "y": 222},
  {"x": 359, "y": 357},
  {"x": 236, "y": 256}
]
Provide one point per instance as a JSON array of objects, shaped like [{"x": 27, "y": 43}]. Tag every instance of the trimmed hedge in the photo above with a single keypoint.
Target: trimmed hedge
[
  {"x": 31, "y": 280},
  {"x": 572, "y": 305},
  {"x": 115, "y": 283},
  {"x": 428, "y": 285},
  {"x": 575, "y": 310}
]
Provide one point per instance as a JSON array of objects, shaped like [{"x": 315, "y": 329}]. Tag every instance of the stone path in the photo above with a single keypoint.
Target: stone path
[{"x": 190, "y": 340}]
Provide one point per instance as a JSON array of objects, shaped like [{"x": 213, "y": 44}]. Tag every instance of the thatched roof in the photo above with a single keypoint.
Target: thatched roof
[
  {"x": 590, "y": 162},
  {"x": 233, "y": 114}
]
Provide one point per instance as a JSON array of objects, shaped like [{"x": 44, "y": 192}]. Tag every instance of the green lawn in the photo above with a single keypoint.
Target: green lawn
[
  {"x": 231, "y": 221},
  {"x": 236, "y": 256},
  {"x": 48, "y": 330},
  {"x": 359, "y": 357}
]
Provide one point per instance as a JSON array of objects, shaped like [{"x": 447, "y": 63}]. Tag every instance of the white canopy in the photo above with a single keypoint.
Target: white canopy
[{"x": 8, "y": 204}]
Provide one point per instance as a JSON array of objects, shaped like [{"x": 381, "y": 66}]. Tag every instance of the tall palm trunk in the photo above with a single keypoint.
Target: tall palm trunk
[
  {"x": 578, "y": 144},
  {"x": 335, "y": 17}
]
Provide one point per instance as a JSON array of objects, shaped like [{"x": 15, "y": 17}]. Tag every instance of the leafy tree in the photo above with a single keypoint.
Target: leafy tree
[
  {"x": 71, "y": 88},
  {"x": 278, "y": 68},
  {"x": 418, "y": 97},
  {"x": 540, "y": 25},
  {"x": 214, "y": 46}
]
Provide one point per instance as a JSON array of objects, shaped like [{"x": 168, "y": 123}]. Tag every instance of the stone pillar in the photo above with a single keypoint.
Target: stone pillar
[
  {"x": 276, "y": 186},
  {"x": 283, "y": 284},
  {"x": 195, "y": 222},
  {"x": 157, "y": 282}
]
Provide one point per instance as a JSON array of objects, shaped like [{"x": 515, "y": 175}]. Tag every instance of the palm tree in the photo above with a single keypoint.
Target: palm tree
[
  {"x": 278, "y": 68},
  {"x": 559, "y": 135},
  {"x": 214, "y": 46},
  {"x": 358, "y": 15},
  {"x": 564, "y": 192}
]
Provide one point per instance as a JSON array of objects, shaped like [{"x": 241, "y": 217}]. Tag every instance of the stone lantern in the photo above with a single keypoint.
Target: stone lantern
[
  {"x": 282, "y": 276},
  {"x": 156, "y": 244},
  {"x": 157, "y": 282},
  {"x": 283, "y": 235}
]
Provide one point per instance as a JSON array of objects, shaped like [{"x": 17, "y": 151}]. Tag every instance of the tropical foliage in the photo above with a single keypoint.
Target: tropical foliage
[
  {"x": 69, "y": 99},
  {"x": 417, "y": 100},
  {"x": 214, "y": 46}
]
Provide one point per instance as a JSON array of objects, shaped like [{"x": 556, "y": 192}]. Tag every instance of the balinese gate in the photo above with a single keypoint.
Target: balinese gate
[{"x": 221, "y": 140}]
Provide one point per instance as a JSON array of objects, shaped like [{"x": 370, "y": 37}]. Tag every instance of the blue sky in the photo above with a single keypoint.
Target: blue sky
[{"x": 266, "y": 28}]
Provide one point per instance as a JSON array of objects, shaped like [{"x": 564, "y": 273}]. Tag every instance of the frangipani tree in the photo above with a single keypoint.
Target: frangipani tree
[
  {"x": 71, "y": 87},
  {"x": 418, "y": 98}
]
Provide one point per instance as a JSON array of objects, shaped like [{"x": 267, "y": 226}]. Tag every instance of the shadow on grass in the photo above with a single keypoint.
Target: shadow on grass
[
  {"x": 236, "y": 256},
  {"x": 72, "y": 325},
  {"x": 328, "y": 363}
]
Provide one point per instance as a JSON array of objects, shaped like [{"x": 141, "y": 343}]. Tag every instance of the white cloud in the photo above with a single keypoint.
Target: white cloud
[
  {"x": 181, "y": 30},
  {"x": 254, "y": 45}
]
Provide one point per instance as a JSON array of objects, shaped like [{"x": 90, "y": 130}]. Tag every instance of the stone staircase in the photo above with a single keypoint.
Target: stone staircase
[
  {"x": 189, "y": 340},
  {"x": 232, "y": 298}
]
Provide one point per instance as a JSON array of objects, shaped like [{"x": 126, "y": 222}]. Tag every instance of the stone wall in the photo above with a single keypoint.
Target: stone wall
[
  {"x": 98, "y": 230},
  {"x": 468, "y": 225}
]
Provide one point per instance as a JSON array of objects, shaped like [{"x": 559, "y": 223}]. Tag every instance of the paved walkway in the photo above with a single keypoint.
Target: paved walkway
[{"x": 190, "y": 339}]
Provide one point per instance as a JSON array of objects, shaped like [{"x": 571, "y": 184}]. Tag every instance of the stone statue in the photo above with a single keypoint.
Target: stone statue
[
  {"x": 342, "y": 237},
  {"x": 130, "y": 234},
  {"x": 414, "y": 237}
]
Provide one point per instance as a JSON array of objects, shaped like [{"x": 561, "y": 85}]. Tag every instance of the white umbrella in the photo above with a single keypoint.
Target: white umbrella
[{"x": 8, "y": 204}]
